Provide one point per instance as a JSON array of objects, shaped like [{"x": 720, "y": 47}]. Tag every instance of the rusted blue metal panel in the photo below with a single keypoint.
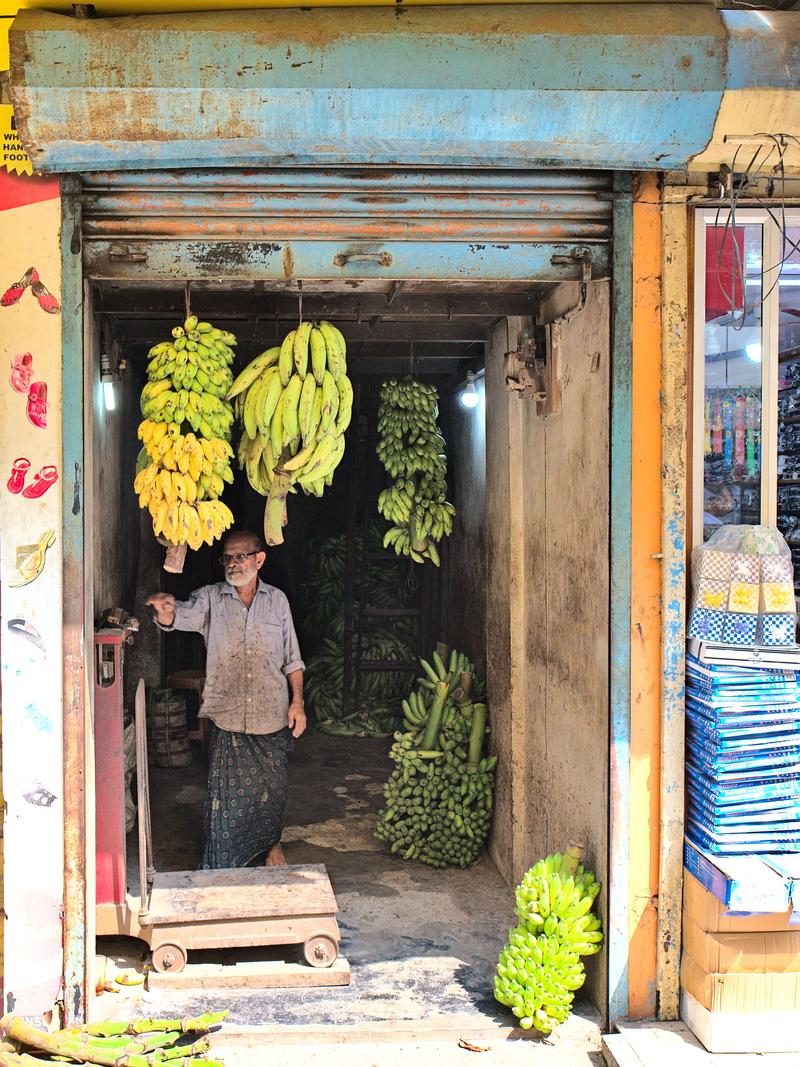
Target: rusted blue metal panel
[
  {"x": 386, "y": 205},
  {"x": 389, "y": 260},
  {"x": 621, "y": 86},
  {"x": 763, "y": 50}
]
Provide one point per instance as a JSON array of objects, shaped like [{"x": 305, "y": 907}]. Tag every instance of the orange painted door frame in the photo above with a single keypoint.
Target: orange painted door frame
[{"x": 645, "y": 597}]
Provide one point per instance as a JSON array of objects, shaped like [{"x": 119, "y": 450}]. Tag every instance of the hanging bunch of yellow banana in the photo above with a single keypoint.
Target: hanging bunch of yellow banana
[
  {"x": 185, "y": 462},
  {"x": 294, "y": 402}
]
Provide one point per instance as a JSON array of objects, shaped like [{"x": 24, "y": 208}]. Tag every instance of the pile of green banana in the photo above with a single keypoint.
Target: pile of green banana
[
  {"x": 440, "y": 796},
  {"x": 322, "y": 626},
  {"x": 182, "y": 469},
  {"x": 295, "y": 402},
  {"x": 540, "y": 968},
  {"x": 380, "y": 692},
  {"x": 411, "y": 448}
]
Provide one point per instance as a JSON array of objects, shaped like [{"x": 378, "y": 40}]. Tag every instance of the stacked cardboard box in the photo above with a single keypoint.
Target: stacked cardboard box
[{"x": 740, "y": 973}]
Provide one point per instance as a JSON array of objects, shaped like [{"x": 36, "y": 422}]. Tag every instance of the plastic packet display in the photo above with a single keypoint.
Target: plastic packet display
[{"x": 743, "y": 588}]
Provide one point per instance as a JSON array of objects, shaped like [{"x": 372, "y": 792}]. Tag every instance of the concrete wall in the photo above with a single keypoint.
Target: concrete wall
[
  {"x": 547, "y": 518},
  {"x": 466, "y": 571}
]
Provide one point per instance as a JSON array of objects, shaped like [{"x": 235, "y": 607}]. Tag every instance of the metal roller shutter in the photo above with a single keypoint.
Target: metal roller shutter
[{"x": 280, "y": 224}]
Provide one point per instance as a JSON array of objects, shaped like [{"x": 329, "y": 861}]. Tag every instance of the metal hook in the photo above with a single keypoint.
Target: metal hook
[{"x": 186, "y": 296}]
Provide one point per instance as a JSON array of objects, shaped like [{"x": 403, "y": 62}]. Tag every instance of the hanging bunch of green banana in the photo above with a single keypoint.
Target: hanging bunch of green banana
[
  {"x": 411, "y": 448},
  {"x": 440, "y": 796},
  {"x": 185, "y": 462},
  {"x": 294, "y": 402},
  {"x": 540, "y": 968}
]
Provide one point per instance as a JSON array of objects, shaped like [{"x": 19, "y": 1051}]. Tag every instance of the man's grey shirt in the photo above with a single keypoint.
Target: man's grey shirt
[{"x": 249, "y": 653}]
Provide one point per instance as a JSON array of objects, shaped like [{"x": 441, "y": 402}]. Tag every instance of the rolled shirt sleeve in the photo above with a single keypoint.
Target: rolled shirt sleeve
[
  {"x": 193, "y": 614},
  {"x": 292, "y": 660}
]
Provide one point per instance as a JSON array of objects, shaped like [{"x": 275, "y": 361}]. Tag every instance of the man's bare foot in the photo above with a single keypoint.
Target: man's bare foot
[{"x": 275, "y": 857}]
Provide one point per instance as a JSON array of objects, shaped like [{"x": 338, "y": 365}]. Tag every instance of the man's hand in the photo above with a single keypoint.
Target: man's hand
[
  {"x": 164, "y": 607},
  {"x": 297, "y": 718}
]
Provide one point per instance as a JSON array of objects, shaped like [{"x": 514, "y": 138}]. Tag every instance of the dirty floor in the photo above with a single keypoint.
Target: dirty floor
[{"x": 422, "y": 943}]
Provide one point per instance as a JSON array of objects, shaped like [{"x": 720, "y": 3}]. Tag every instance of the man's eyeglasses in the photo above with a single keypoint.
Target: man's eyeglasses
[{"x": 236, "y": 557}]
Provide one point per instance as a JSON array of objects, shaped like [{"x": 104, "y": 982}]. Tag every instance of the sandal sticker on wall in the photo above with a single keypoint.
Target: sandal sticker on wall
[
  {"x": 47, "y": 476},
  {"x": 30, "y": 280},
  {"x": 28, "y": 632},
  {"x": 30, "y": 559},
  {"x": 21, "y": 375}
]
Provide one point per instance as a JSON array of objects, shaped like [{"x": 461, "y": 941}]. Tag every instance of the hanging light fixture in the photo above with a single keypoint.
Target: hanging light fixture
[
  {"x": 470, "y": 397},
  {"x": 107, "y": 378}
]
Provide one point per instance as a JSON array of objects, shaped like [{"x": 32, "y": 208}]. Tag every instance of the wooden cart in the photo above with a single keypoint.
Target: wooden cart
[{"x": 184, "y": 910}]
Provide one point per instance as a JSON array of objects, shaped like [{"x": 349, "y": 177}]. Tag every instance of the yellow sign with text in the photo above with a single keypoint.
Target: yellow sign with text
[{"x": 12, "y": 155}]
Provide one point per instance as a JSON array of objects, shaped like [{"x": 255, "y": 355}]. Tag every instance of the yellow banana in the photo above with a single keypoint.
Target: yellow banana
[
  {"x": 291, "y": 400},
  {"x": 318, "y": 353},
  {"x": 286, "y": 358},
  {"x": 330, "y": 402},
  {"x": 301, "y": 338}
]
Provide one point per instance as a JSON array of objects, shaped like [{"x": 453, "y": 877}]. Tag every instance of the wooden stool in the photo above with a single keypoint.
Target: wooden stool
[{"x": 194, "y": 680}]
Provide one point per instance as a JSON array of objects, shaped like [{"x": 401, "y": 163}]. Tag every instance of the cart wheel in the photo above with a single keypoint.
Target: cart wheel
[
  {"x": 321, "y": 950},
  {"x": 169, "y": 957}
]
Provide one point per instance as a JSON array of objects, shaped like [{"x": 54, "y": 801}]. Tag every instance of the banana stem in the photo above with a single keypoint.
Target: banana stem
[
  {"x": 200, "y": 1024},
  {"x": 572, "y": 857},
  {"x": 275, "y": 510},
  {"x": 466, "y": 682},
  {"x": 431, "y": 735},
  {"x": 476, "y": 734},
  {"x": 443, "y": 649}
]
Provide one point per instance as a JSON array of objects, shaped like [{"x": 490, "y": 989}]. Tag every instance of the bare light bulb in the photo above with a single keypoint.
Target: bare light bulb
[
  {"x": 470, "y": 397},
  {"x": 109, "y": 399}
]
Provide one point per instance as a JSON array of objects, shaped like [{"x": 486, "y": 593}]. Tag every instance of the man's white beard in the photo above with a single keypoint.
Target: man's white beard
[{"x": 236, "y": 579}]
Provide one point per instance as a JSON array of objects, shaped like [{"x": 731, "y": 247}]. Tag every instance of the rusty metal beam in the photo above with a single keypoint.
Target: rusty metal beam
[
  {"x": 77, "y": 921},
  {"x": 408, "y": 309},
  {"x": 454, "y": 334}
]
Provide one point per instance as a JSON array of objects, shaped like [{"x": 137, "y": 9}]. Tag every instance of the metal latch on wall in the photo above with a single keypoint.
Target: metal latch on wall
[
  {"x": 534, "y": 370},
  {"x": 123, "y": 252}
]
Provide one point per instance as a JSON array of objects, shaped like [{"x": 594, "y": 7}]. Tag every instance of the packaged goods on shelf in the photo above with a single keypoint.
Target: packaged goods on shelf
[
  {"x": 743, "y": 587},
  {"x": 742, "y": 758}
]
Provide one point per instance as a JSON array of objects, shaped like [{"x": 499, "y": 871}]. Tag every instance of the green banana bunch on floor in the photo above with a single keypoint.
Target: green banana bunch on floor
[
  {"x": 540, "y": 968},
  {"x": 185, "y": 463},
  {"x": 411, "y": 448},
  {"x": 295, "y": 402},
  {"x": 440, "y": 796}
]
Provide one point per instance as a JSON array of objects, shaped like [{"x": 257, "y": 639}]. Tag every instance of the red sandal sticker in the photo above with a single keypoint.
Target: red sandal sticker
[
  {"x": 22, "y": 372},
  {"x": 37, "y": 404},
  {"x": 30, "y": 280}
]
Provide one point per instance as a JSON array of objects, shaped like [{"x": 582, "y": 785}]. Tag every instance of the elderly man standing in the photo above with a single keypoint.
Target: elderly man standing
[{"x": 252, "y": 663}]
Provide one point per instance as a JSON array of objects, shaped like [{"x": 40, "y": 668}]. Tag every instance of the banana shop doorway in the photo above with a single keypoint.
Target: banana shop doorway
[{"x": 513, "y": 332}]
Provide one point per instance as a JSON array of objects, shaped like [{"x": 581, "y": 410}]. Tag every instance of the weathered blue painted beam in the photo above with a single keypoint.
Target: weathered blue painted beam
[
  {"x": 615, "y": 86},
  {"x": 223, "y": 261}
]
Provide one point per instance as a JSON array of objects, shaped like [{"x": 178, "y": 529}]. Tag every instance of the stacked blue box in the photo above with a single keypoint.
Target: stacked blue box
[{"x": 742, "y": 758}]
